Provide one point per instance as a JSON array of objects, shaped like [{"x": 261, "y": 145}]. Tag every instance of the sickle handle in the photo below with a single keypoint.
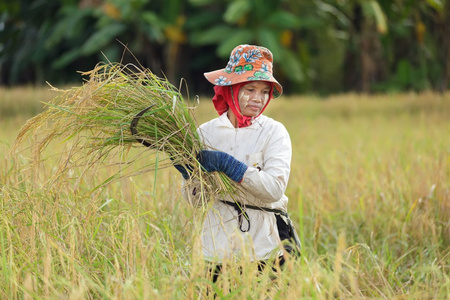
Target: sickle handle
[{"x": 134, "y": 123}]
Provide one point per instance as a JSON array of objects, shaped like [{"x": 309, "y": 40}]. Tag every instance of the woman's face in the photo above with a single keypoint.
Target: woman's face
[{"x": 253, "y": 97}]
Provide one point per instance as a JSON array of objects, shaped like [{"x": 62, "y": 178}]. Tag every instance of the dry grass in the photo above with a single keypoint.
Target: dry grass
[{"x": 369, "y": 193}]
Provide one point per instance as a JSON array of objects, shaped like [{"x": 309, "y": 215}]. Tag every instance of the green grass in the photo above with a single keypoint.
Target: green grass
[{"x": 369, "y": 192}]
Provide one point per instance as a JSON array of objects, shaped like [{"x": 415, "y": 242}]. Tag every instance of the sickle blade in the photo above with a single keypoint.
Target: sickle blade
[{"x": 134, "y": 123}]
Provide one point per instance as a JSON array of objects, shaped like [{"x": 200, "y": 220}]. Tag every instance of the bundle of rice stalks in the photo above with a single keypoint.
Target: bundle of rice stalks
[{"x": 93, "y": 122}]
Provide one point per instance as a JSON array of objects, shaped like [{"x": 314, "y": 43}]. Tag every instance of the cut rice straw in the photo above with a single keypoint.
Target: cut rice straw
[{"x": 93, "y": 123}]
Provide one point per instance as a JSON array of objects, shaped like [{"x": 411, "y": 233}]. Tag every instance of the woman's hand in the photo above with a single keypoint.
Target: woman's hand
[{"x": 213, "y": 161}]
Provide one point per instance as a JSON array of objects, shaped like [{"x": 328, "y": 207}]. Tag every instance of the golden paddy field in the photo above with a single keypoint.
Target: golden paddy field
[{"x": 369, "y": 195}]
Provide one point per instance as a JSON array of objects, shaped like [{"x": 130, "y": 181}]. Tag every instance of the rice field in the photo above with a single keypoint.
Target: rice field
[{"x": 369, "y": 195}]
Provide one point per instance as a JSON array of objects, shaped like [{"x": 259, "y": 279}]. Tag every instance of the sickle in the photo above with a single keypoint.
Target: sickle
[{"x": 134, "y": 123}]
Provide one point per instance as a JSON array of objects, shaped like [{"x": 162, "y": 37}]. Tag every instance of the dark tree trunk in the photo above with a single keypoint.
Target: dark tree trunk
[
  {"x": 446, "y": 47},
  {"x": 352, "y": 71}
]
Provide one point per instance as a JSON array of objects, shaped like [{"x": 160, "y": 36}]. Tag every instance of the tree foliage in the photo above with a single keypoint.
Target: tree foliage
[{"x": 319, "y": 46}]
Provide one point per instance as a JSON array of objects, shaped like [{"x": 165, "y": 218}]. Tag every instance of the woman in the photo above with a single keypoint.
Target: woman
[{"x": 251, "y": 149}]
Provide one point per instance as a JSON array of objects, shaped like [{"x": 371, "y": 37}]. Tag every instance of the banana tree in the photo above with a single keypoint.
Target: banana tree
[
  {"x": 392, "y": 44},
  {"x": 150, "y": 29},
  {"x": 360, "y": 24},
  {"x": 23, "y": 29}
]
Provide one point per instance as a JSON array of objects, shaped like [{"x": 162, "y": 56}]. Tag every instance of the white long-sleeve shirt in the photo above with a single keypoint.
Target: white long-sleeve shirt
[{"x": 265, "y": 147}]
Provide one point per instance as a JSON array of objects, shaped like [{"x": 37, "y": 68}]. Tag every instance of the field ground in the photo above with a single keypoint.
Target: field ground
[{"x": 369, "y": 194}]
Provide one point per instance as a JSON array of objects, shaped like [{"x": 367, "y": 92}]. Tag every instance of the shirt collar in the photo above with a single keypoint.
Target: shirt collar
[{"x": 225, "y": 122}]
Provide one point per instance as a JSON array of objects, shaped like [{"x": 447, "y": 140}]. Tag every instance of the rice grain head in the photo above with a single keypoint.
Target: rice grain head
[{"x": 93, "y": 122}]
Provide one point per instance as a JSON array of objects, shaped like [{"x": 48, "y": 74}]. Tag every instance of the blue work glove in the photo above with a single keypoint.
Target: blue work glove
[
  {"x": 220, "y": 161},
  {"x": 185, "y": 172}
]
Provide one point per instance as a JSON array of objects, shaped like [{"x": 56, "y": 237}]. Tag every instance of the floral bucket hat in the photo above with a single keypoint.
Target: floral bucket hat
[{"x": 247, "y": 63}]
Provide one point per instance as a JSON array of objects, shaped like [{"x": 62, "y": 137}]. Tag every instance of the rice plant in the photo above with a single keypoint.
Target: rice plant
[{"x": 106, "y": 122}]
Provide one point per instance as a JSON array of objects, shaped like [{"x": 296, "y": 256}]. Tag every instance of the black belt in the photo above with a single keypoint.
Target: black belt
[{"x": 240, "y": 208}]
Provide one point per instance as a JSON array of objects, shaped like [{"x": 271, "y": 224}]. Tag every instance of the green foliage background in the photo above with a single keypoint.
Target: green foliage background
[{"x": 322, "y": 46}]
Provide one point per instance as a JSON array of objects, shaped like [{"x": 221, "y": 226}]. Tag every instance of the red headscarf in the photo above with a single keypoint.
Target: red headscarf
[{"x": 226, "y": 97}]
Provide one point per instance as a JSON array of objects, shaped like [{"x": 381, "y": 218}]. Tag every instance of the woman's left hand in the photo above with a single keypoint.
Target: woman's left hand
[{"x": 213, "y": 161}]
